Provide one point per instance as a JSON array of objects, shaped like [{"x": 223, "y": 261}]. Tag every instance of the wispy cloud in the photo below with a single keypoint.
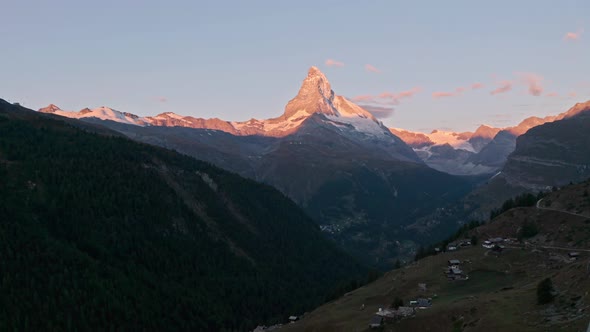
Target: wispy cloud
[
  {"x": 503, "y": 87},
  {"x": 363, "y": 98},
  {"x": 372, "y": 68},
  {"x": 573, "y": 35},
  {"x": 552, "y": 94},
  {"x": 572, "y": 94},
  {"x": 408, "y": 93},
  {"x": 387, "y": 98},
  {"x": 380, "y": 112},
  {"x": 444, "y": 94},
  {"x": 161, "y": 99},
  {"x": 441, "y": 94},
  {"x": 534, "y": 83},
  {"x": 381, "y": 105},
  {"x": 334, "y": 63},
  {"x": 476, "y": 85}
]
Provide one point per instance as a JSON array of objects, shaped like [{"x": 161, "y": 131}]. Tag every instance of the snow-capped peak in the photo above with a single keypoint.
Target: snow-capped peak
[
  {"x": 51, "y": 108},
  {"x": 316, "y": 79},
  {"x": 316, "y": 96},
  {"x": 103, "y": 113}
]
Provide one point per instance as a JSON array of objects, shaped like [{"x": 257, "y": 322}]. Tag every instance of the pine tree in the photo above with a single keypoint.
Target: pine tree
[{"x": 545, "y": 291}]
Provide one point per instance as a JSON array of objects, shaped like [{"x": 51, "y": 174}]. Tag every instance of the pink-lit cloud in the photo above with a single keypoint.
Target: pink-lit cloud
[
  {"x": 387, "y": 98},
  {"x": 372, "y": 68},
  {"x": 408, "y": 93},
  {"x": 379, "y": 112},
  {"x": 381, "y": 99},
  {"x": 381, "y": 105},
  {"x": 573, "y": 35},
  {"x": 476, "y": 85},
  {"x": 444, "y": 94},
  {"x": 552, "y": 94},
  {"x": 503, "y": 87},
  {"x": 387, "y": 95},
  {"x": 363, "y": 98},
  {"x": 572, "y": 94},
  {"x": 334, "y": 63},
  {"x": 161, "y": 99},
  {"x": 534, "y": 83},
  {"x": 441, "y": 94}
]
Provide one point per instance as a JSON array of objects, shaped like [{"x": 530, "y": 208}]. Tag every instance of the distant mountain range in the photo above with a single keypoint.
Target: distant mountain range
[
  {"x": 549, "y": 155},
  {"x": 352, "y": 174},
  {"x": 483, "y": 151},
  {"x": 357, "y": 179},
  {"x": 546, "y": 157}
]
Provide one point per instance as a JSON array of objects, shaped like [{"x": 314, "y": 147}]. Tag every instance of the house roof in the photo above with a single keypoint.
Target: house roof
[
  {"x": 376, "y": 320},
  {"x": 424, "y": 303}
]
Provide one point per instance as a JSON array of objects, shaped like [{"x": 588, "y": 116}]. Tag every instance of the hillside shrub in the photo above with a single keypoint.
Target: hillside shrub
[
  {"x": 545, "y": 291},
  {"x": 528, "y": 230}
]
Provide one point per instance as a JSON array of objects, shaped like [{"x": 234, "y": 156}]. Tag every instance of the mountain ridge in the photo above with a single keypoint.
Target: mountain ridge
[{"x": 315, "y": 96}]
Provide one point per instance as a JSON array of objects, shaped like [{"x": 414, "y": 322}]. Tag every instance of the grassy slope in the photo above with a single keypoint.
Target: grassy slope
[{"x": 501, "y": 292}]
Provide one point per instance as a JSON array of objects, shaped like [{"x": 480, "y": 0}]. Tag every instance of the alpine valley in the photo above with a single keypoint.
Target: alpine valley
[
  {"x": 179, "y": 223},
  {"x": 378, "y": 192},
  {"x": 350, "y": 173}
]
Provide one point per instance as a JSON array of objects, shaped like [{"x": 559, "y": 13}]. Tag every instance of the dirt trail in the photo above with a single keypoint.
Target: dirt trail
[{"x": 557, "y": 210}]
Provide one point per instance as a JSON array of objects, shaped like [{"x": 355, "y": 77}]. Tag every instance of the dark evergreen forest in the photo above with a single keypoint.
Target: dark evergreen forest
[{"x": 98, "y": 232}]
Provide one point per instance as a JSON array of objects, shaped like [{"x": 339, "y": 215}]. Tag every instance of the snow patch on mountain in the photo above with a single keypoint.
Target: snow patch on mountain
[{"x": 360, "y": 124}]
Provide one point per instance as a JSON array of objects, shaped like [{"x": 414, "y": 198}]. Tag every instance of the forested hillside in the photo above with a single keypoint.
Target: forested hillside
[{"x": 98, "y": 231}]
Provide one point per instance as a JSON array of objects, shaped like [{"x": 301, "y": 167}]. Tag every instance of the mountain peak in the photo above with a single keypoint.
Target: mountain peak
[
  {"x": 316, "y": 81},
  {"x": 577, "y": 109},
  {"x": 485, "y": 131},
  {"x": 314, "y": 96},
  {"x": 315, "y": 71},
  {"x": 51, "y": 108}
]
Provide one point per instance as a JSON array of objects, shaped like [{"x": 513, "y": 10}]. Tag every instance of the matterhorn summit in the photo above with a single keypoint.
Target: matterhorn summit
[{"x": 316, "y": 96}]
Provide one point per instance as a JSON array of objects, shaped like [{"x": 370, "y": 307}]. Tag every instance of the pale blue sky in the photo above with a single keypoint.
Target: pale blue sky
[{"x": 241, "y": 59}]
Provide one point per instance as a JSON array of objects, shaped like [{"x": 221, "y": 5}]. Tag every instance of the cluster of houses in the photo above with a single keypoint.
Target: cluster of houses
[
  {"x": 394, "y": 314},
  {"x": 453, "y": 270},
  {"x": 458, "y": 244},
  {"x": 496, "y": 241}
]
